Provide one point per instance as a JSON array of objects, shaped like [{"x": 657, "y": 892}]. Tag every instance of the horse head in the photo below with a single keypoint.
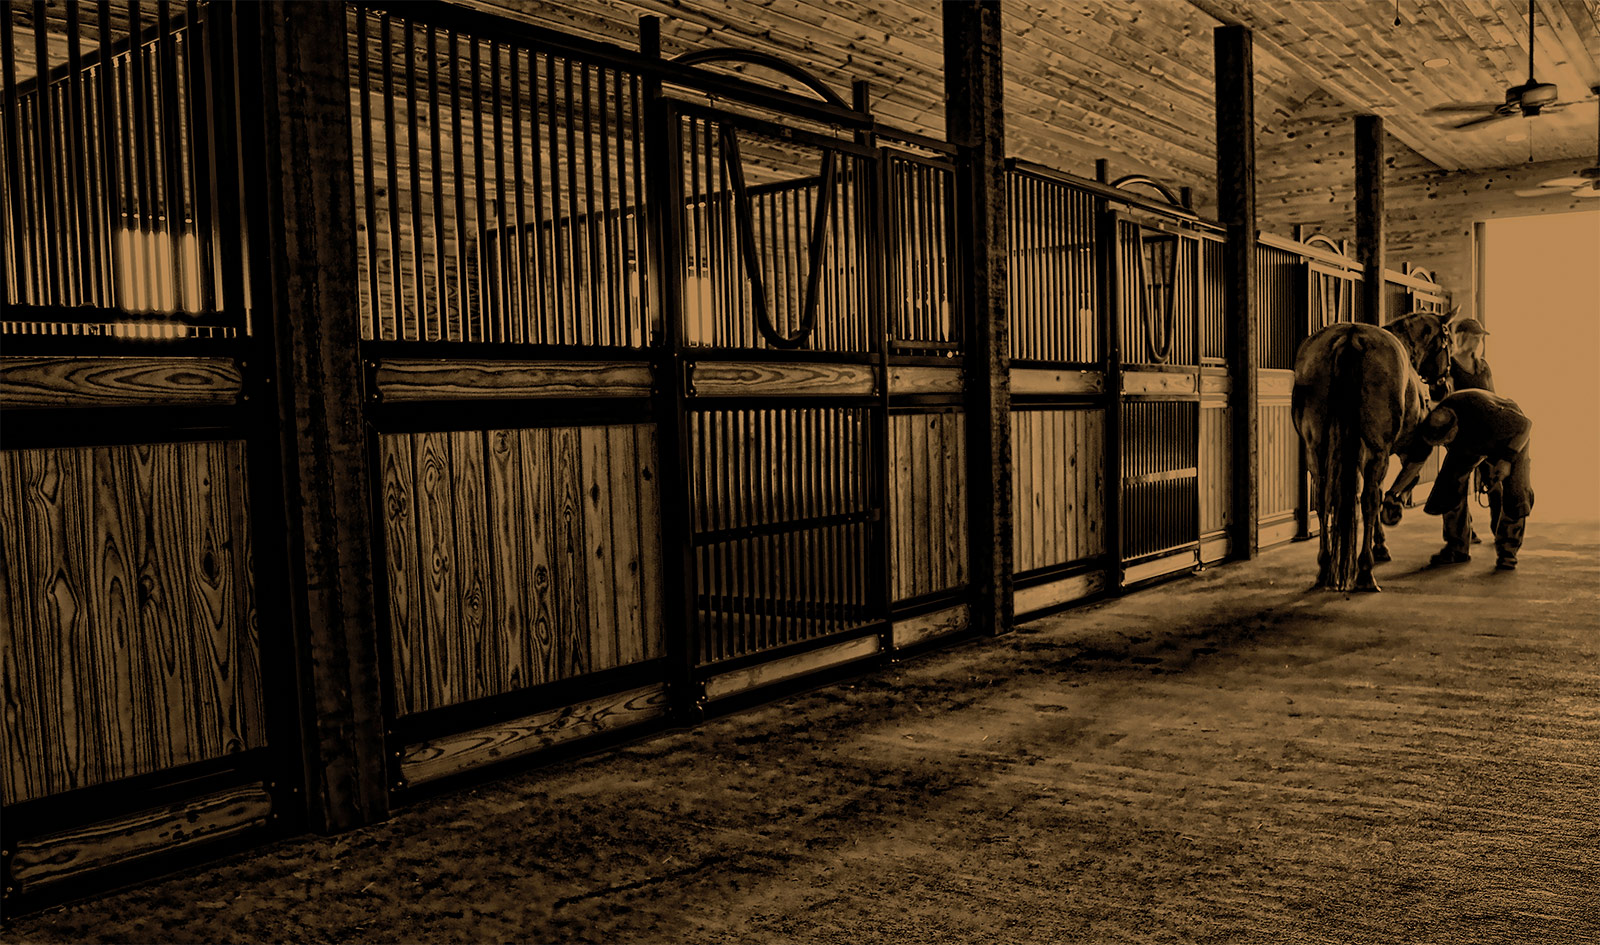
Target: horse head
[{"x": 1426, "y": 336}]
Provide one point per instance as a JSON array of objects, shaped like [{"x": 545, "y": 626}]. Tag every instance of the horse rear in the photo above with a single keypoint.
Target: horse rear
[{"x": 1356, "y": 395}]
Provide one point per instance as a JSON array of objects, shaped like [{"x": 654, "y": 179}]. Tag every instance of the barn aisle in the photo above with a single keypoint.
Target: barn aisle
[{"x": 1223, "y": 759}]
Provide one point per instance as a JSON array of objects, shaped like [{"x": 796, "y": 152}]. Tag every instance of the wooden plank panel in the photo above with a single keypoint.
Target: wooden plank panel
[
  {"x": 571, "y": 583},
  {"x": 922, "y": 534},
  {"x": 49, "y": 859},
  {"x": 107, "y": 382},
  {"x": 438, "y": 638},
  {"x": 599, "y": 576},
  {"x": 402, "y": 380},
  {"x": 1056, "y": 593},
  {"x": 772, "y": 378},
  {"x": 402, "y": 568},
  {"x": 1053, "y": 381},
  {"x": 510, "y": 534},
  {"x": 1274, "y": 384},
  {"x": 624, "y": 473},
  {"x": 128, "y": 639},
  {"x": 1157, "y": 382},
  {"x": 541, "y": 638},
  {"x": 955, "y": 498},
  {"x": 453, "y": 754},
  {"x": 901, "y": 508},
  {"x": 479, "y": 661},
  {"x": 766, "y": 674},
  {"x": 908, "y": 379},
  {"x": 940, "y": 623},
  {"x": 1171, "y": 564},
  {"x": 651, "y": 580}
]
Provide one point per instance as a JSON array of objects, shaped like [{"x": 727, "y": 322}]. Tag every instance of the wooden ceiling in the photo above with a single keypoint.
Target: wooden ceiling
[{"x": 1354, "y": 51}]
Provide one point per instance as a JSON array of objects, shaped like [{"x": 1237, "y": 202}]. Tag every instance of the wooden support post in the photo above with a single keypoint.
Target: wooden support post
[
  {"x": 306, "y": 305},
  {"x": 975, "y": 124},
  {"x": 1236, "y": 198},
  {"x": 1369, "y": 213}
]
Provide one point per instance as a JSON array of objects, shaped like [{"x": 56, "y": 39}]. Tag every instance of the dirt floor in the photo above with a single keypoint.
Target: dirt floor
[{"x": 1228, "y": 758}]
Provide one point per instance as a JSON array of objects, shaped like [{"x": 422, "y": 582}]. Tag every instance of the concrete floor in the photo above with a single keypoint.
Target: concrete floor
[{"x": 1228, "y": 758}]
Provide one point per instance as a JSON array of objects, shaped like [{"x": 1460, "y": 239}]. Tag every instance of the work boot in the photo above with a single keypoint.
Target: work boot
[
  {"x": 1475, "y": 539},
  {"x": 1506, "y": 564},
  {"x": 1450, "y": 556}
]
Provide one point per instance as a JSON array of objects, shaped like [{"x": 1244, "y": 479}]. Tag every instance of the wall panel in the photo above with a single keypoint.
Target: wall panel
[
  {"x": 927, "y": 503},
  {"x": 130, "y": 637},
  {"x": 1058, "y": 490},
  {"x": 518, "y": 557}
]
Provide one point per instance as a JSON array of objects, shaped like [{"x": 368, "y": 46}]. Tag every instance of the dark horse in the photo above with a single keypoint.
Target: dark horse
[{"x": 1359, "y": 393}]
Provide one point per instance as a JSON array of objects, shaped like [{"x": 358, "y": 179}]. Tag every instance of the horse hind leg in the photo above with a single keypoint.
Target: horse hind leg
[{"x": 1371, "y": 499}]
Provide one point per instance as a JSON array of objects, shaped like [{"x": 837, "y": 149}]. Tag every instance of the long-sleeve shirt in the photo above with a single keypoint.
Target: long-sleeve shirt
[{"x": 1487, "y": 425}]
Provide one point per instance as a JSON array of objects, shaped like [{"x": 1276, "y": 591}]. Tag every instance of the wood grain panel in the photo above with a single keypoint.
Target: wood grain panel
[
  {"x": 1055, "y": 593},
  {"x": 1157, "y": 382},
  {"x": 1059, "y": 490},
  {"x": 927, "y": 503},
  {"x": 115, "y": 382},
  {"x": 767, "y": 379},
  {"x": 409, "y": 380},
  {"x": 1047, "y": 381},
  {"x": 905, "y": 379},
  {"x": 776, "y": 671},
  {"x": 1216, "y": 468},
  {"x": 518, "y": 557},
  {"x": 1279, "y": 461},
  {"x": 942, "y": 623},
  {"x": 130, "y": 640},
  {"x": 49, "y": 859},
  {"x": 431, "y": 760}
]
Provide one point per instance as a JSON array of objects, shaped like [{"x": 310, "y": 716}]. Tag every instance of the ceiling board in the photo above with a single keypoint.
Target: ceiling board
[{"x": 1353, "y": 50}]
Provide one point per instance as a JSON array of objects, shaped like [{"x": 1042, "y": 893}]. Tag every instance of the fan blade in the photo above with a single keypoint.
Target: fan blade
[
  {"x": 1487, "y": 119},
  {"x": 1593, "y": 191},
  {"x": 1538, "y": 192},
  {"x": 1564, "y": 182},
  {"x": 1464, "y": 107}
]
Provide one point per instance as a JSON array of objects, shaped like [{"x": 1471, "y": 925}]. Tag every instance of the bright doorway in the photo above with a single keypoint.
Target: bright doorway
[{"x": 1542, "y": 307}]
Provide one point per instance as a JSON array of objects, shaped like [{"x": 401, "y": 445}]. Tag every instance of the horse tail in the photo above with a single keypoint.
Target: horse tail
[{"x": 1341, "y": 462}]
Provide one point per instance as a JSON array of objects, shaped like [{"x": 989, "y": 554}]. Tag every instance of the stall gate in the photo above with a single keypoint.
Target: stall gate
[
  {"x": 648, "y": 435},
  {"x": 1119, "y": 428},
  {"x": 147, "y": 684}
]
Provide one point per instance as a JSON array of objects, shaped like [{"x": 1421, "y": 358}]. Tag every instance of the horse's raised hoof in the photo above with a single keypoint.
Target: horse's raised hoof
[{"x": 1380, "y": 555}]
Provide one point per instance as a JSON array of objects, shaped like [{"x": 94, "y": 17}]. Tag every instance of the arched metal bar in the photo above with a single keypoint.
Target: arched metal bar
[
  {"x": 1320, "y": 240},
  {"x": 744, "y": 219},
  {"x": 1132, "y": 180},
  {"x": 766, "y": 61}
]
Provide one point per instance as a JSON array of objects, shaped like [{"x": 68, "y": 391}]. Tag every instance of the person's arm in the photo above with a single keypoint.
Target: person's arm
[
  {"x": 1487, "y": 376},
  {"x": 1413, "y": 455}
]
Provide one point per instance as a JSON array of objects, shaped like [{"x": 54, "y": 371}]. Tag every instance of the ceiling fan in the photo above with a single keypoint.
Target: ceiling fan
[
  {"x": 1529, "y": 99},
  {"x": 1582, "y": 183}
]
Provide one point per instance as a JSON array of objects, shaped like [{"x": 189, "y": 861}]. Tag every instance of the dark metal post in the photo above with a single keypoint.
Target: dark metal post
[
  {"x": 309, "y": 320},
  {"x": 1236, "y": 199},
  {"x": 975, "y": 124},
  {"x": 1369, "y": 213},
  {"x": 662, "y": 203}
]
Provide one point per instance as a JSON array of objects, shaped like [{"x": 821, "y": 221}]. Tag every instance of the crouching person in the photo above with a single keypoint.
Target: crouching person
[{"x": 1477, "y": 427}]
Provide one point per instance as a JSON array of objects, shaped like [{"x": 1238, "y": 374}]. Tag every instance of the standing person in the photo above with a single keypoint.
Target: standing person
[
  {"x": 1478, "y": 428},
  {"x": 1469, "y": 371}
]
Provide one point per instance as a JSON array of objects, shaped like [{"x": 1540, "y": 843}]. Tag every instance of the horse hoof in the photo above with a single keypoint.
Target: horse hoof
[
  {"x": 1366, "y": 583},
  {"x": 1381, "y": 555}
]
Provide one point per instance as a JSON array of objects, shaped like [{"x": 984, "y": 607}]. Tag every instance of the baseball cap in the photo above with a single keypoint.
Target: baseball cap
[{"x": 1469, "y": 326}]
